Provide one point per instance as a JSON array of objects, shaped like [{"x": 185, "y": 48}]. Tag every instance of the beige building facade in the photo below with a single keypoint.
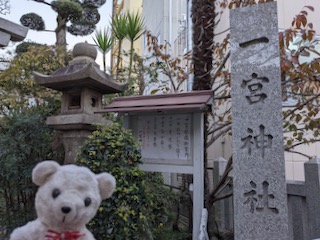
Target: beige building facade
[{"x": 123, "y": 7}]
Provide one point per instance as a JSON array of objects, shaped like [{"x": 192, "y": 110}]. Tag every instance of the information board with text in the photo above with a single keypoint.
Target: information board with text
[{"x": 164, "y": 139}]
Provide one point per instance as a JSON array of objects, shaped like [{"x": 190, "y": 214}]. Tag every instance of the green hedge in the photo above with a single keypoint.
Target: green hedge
[{"x": 140, "y": 208}]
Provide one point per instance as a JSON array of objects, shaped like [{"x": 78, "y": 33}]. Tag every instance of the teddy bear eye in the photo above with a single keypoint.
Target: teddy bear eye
[
  {"x": 55, "y": 193},
  {"x": 87, "y": 201}
]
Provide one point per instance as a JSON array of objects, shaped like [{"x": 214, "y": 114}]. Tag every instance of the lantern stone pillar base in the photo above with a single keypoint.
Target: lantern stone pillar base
[
  {"x": 75, "y": 130},
  {"x": 72, "y": 141}
]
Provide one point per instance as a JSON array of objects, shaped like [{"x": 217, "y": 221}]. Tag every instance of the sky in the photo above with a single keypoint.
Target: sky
[{"x": 20, "y": 7}]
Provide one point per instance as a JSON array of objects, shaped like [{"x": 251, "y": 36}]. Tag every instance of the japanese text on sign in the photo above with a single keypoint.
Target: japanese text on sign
[{"x": 166, "y": 137}]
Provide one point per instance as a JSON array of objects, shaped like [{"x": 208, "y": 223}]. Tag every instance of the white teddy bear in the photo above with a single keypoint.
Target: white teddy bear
[{"x": 67, "y": 199}]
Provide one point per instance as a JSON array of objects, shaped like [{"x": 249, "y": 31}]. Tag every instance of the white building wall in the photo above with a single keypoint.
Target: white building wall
[
  {"x": 155, "y": 17},
  {"x": 287, "y": 9},
  {"x": 167, "y": 20}
]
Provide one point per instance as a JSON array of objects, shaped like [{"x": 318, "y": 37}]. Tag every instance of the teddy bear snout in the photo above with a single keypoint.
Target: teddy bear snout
[{"x": 66, "y": 210}]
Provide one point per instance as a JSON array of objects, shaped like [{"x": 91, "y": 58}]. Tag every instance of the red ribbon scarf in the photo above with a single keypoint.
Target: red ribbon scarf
[{"x": 53, "y": 235}]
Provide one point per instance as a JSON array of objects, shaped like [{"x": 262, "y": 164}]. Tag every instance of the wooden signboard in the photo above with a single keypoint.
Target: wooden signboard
[{"x": 169, "y": 128}]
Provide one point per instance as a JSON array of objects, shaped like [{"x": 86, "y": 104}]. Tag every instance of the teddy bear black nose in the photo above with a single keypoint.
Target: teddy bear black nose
[{"x": 66, "y": 209}]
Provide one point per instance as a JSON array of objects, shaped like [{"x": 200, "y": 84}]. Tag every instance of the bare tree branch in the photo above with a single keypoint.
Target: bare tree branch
[
  {"x": 219, "y": 127},
  {"x": 300, "y": 143},
  {"x": 215, "y": 137},
  {"x": 212, "y": 197},
  {"x": 222, "y": 32},
  {"x": 300, "y": 106},
  {"x": 300, "y": 94},
  {"x": 224, "y": 97},
  {"x": 223, "y": 196},
  {"x": 220, "y": 86},
  {"x": 305, "y": 155},
  {"x": 43, "y": 1},
  {"x": 222, "y": 65}
]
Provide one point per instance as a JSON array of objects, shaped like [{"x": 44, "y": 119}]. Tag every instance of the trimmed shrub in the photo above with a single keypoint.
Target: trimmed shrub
[{"x": 140, "y": 206}]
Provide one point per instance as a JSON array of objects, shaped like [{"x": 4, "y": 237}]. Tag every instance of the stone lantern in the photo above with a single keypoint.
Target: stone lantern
[
  {"x": 10, "y": 31},
  {"x": 82, "y": 84}
]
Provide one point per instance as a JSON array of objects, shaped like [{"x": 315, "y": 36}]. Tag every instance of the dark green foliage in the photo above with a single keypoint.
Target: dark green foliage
[
  {"x": 140, "y": 206},
  {"x": 32, "y": 21},
  {"x": 94, "y": 3},
  {"x": 124, "y": 215},
  {"x": 17, "y": 85},
  {"x": 68, "y": 10},
  {"x": 91, "y": 15},
  {"x": 162, "y": 218},
  {"x": 86, "y": 23},
  {"x": 81, "y": 30},
  {"x": 23, "y": 47},
  {"x": 78, "y": 17},
  {"x": 4, "y": 9},
  {"x": 24, "y": 141}
]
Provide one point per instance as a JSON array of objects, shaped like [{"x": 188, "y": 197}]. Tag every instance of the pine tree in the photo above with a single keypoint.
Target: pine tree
[{"x": 78, "y": 17}]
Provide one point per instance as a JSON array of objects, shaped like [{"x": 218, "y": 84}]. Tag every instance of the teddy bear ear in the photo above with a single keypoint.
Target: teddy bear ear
[
  {"x": 107, "y": 185},
  {"x": 43, "y": 170}
]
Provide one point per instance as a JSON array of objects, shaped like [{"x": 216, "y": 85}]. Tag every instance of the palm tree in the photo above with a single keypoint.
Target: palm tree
[
  {"x": 135, "y": 25},
  {"x": 119, "y": 31},
  {"x": 104, "y": 41},
  {"x": 203, "y": 20},
  {"x": 203, "y": 12}
]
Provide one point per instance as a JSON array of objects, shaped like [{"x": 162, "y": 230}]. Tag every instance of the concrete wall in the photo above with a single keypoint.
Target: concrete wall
[{"x": 303, "y": 203}]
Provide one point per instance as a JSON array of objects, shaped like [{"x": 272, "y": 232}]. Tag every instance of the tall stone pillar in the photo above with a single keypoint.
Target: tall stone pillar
[{"x": 260, "y": 200}]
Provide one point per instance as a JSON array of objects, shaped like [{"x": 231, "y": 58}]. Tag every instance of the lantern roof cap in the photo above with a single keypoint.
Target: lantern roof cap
[{"x": 82, "y": 72}]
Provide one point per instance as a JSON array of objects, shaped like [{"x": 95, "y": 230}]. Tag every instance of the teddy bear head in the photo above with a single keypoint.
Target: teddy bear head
[{"x": 69, "y": 196}]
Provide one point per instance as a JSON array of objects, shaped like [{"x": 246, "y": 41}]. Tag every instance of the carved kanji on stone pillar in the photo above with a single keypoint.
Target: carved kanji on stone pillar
[{"x": 260, "y": 201}]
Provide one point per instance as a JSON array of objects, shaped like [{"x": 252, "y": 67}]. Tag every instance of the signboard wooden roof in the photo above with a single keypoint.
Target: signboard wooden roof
[{"x": 195, "y": 101}]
